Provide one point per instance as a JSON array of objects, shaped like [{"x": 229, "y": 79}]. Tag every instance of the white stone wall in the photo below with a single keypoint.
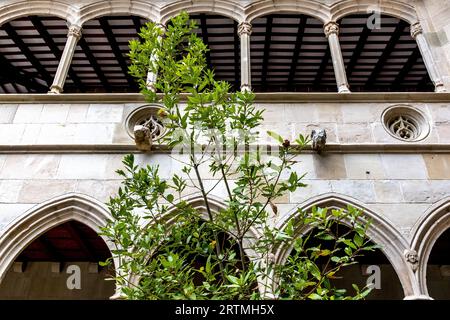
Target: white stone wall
[{"x": 395, "y": 183}]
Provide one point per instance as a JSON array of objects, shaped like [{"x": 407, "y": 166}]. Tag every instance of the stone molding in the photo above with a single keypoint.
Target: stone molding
[
  {"x": 275, "y": 97},
  {"x": 383, "y": 233},
  {"x": 425, "y": 233},
  {"x": 79, "y": 12},
  {"x": 331, "y": 148},
  {"x": 19, "y": 233}
]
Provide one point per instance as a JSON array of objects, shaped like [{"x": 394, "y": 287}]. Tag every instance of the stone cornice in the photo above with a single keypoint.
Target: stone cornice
[
  {"x": 403, "y": 148},
  {"x": 290, "y": 97}
]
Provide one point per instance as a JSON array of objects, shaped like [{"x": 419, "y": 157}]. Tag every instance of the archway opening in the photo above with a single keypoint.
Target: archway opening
[
  {"x": 438, "y": 268},
  {"x": 370, "y": 267},
  {"x": 381, "y": 55},
  {"x": 289, "y": 52},
  {"x": 189, "y": 259},
  {"x": 100, "y": 62},
  {"x": 49, "y": 266},
  {"x": 30, "y": 50}
]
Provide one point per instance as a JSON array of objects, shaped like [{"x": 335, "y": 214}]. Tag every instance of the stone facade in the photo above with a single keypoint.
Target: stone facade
[{"x": 61, "y": 150}]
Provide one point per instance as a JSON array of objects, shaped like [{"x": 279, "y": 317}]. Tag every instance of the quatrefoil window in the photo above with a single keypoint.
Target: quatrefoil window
[
  {"x": 405, "y": 123},
  {"x": 147, "y": 116}
]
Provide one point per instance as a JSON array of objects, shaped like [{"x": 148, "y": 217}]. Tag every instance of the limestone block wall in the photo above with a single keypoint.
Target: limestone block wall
[
  {"x": 58, "y": 145},
  {"x": 49, "y": 149}
]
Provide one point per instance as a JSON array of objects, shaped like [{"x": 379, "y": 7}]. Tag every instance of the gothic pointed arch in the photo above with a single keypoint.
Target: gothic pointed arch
[
  {"x": 425, "y": 234},
  {"x": 45, "y": 216},
  {"x": 382, "y": 233}
]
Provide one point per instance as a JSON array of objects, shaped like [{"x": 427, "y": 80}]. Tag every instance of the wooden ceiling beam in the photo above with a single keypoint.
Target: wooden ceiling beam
[
  {"x": 93, "y": 61},
  {"x": 14, "y": 36},
  {"x": 267, "y": 42},
  {"x": 298, "y": 45},
  {"x": 117, "y": 52}
]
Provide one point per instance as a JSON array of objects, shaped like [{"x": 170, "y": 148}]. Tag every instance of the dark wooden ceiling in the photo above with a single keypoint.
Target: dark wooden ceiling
[
  {"x": 440, "y": 254},
  {"x": 71, "y": 241},
  {"x": 288, "y": 53}
]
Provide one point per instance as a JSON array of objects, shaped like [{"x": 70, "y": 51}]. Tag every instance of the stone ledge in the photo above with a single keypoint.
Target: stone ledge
[
  {"x": 281, "y": 97},
  {"x": 415, "y": 148}
]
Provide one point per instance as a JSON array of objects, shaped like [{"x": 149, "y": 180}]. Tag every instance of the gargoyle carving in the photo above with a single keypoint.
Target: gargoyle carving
[{"x": 319, "y": 139}]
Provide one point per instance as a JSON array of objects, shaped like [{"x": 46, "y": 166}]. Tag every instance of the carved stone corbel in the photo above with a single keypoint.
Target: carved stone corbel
[{"x": 412, "y": 259}]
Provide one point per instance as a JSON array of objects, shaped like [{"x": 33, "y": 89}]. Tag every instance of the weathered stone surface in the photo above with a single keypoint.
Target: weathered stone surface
[
  {"x": 77, "y": 113},
  {"x": 120, "y": 135},
  {"x": 443, "y": 131},
  {"x": 104, "y": 113},
  {"x": 313, "y": 188},
  {"x": 11, "y": 133},
  {"x": 54, "y": 113},
  {"x": 30, "y": 166},
  {"x": 438, "y": 165},
  {"x": 358, "y": 189},
  {"x": 329, "y": 112},
  {"x": 103, "y": 188},
  {"x": 361, "y": 113},
  {"x": 10, "y": 211},
  {"x": 364, "y": 166},
  {"x": 329, "y": 166},
  {"x": 31, "y": 134},
  {"x": 9, "y": 190},
  {"x": 82, "y": 166},
  {"x": 425, "y": 191},
  {"x": 404, "y": 166},
  {"x": 388, "y": 191},
  {"x": 305, "y": 165},
  {"x": 402, "y": 215},
  {"x": 7, "y": 112},
  {"x": 28, "y": 113},
  {"x": 306, "y": 129},
  {"x": 300, "y": 113},
  {"x": 354, "y": 133},
  {"x": 37, "y": 191}
]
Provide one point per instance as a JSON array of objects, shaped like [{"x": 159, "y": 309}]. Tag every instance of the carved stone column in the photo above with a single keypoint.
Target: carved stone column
[
  {"x": 331, "y": 30},
  {"x": 151, "y": 76},
  {"x": 73, "y": 36},
  {"x": 427, "y": 57},
  {"x": 244, "y": 31}
]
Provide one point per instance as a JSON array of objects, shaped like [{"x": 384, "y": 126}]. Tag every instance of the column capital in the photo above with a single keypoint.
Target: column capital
[
  {"x": 244, "y": 28},
  {"x": 416, "y": 29},
  {"x": 331, "y": 28},
  {"x": 74, "y": 31}
]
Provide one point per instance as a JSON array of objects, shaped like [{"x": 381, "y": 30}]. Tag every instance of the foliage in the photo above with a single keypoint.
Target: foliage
[{"x": 172, "y": 249}]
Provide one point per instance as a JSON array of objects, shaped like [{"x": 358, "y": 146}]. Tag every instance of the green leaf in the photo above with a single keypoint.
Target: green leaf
[
  {"x": 315, "y": 296},
  {"x": 233, "y": 279},
  {"x": 276, "y": 136}
]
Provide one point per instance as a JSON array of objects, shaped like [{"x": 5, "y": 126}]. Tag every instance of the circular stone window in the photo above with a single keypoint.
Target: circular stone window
[
  {"x": 405, "y": 123},
  {"x": 146, "y": 115}
]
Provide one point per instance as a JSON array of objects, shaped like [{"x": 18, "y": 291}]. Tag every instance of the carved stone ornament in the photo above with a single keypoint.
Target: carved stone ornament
[
  {"x": 319, "y": 139},
  {"x": 244, "y": 28},
  {"x": 75, "y": 31},
  {"x": 412, "y": 258},
  {"x": 145, "y": 125},
  {"x": 330, "y": 28},
  {"x": 416, "y": 29}
]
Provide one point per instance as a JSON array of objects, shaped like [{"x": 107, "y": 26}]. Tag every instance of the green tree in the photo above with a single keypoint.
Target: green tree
[{"x": 169, "y": 249}]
